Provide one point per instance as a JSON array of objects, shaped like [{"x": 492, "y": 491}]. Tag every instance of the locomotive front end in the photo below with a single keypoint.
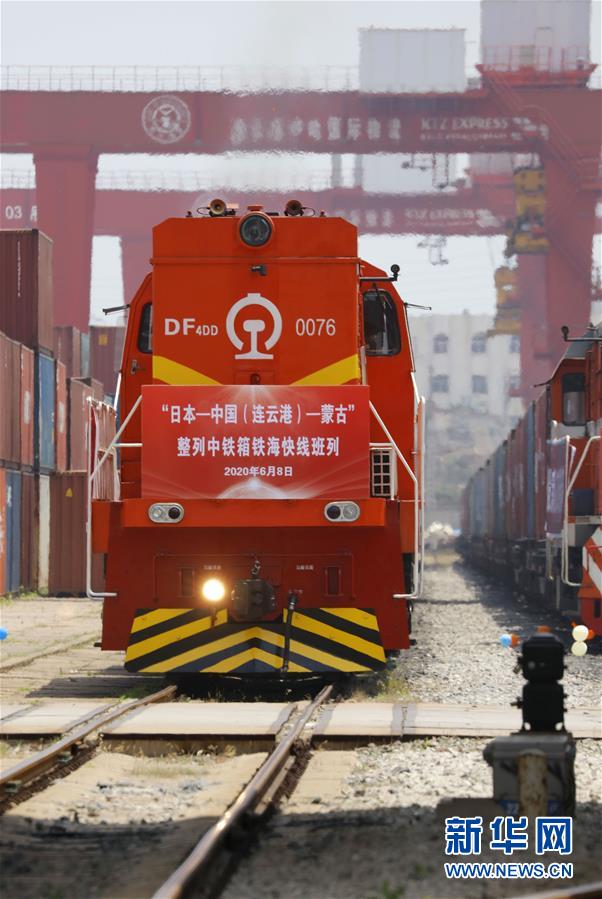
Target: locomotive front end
[{"x": 268, "y": 516}]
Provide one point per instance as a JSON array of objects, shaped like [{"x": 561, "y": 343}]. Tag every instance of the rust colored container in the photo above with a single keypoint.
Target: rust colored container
[
  {"x": 10, "y": 401},
  {"x": 106, "y": 347},
  {"x": 26, "y": 288},
  {"x": 60, "y": 421},
  {"x": 541, "y": 464},
  {"x": 29, "y": 532},
  {"x": 67, "y": 349},
  {"x": 79, "y": 392},
  {"x": 3, "y": 533},
  {"x": 98, "y": 388},
  {"x": 27, "y": 407},
  {"x": 68, "y": 536},
  {"x": 509, "y": 488}
]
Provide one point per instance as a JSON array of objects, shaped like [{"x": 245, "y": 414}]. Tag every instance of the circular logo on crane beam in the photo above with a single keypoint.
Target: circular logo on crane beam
[{"x": 166, "y": 119}]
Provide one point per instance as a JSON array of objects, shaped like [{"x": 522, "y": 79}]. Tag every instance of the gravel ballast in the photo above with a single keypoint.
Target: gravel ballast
[{"x": 382, "y": 837}]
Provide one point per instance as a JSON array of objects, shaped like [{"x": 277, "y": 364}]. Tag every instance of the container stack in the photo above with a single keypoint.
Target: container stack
[{"x": 45, "y": 382}]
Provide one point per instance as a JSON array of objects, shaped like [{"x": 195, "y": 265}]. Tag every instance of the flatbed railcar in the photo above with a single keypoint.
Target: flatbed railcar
[
  {"x": 532, "y": 513},
  {"x": 264, "y": 516}
]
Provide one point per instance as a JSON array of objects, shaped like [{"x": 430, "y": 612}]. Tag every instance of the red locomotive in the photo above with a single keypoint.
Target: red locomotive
[
  {"x": 266, "y": 514},
  {"x": 534, "y": 510}
]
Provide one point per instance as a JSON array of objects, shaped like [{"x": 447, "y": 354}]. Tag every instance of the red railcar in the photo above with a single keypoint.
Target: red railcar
[
  {"x": 268, "y": 512},
  {"x": 552, "y": 541}
]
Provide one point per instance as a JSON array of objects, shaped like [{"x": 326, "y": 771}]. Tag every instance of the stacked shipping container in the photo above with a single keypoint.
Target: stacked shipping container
[
  {"x": 44, "y": 388},
  {"x": 535, "y": 529}
]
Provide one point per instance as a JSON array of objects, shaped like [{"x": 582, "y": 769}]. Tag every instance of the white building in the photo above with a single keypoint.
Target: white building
[
  {"x": 468, "y": 380},
  {"x": 458, "y": 365}
]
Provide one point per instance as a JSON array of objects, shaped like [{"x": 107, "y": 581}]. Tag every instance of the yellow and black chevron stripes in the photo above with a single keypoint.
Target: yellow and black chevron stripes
[
  {"x": 188, "y": 641},
  {"x": 340, "y": 372}
]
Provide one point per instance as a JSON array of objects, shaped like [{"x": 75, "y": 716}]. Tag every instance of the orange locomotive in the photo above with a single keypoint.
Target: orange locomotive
[{"x": 267, "y": 514}]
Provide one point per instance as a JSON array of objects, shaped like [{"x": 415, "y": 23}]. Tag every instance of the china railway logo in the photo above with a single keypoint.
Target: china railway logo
[
  {"x": 254, "y": 327},
  {"x": 166, "y": 119}
]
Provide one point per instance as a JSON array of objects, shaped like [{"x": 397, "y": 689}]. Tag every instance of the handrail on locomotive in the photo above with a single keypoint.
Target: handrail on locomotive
[{"x": 565, "y": 524}]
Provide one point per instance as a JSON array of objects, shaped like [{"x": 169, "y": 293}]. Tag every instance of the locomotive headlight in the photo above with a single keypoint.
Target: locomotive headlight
[
  {"x": 255, "y": 230},
  {"x": 213, "y": 590},
  {"x": 342, "y": 511},
  {"x": 166, "y": 513}
]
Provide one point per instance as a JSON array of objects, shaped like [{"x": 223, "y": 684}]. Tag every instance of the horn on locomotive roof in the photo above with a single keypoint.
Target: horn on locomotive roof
[
  {"x": 218, "y": 207},
  {"x": 293, "y": 207}
]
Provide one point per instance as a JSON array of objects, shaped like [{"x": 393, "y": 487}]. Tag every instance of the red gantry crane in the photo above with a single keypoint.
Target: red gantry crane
[{"x": 66, "y": 119}]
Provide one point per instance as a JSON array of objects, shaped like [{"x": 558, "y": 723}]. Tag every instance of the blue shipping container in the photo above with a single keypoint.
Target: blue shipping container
[
  {"x": 13, "y": 531},
  {"x": 45, "y": 411}
]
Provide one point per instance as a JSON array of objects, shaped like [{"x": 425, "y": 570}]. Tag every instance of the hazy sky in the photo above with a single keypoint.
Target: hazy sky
[
  {"x": 254, "y": 33},
  {"x": 213, "y": 33}
]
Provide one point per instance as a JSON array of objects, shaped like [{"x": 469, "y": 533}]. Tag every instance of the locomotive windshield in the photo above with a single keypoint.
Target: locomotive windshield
[
  {"x": 573, "y": 399},
  {"x": 381, "y": 327},
  {"x": 145, "y": 331}
]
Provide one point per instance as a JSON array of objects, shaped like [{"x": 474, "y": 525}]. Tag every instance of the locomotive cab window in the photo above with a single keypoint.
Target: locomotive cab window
[
  {"x": 381, "y": 326},
  {"x": 573, "y": 399},
  {"x": 145, "y": 329}
]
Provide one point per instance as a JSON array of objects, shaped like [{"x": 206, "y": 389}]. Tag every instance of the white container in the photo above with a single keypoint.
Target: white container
[
  {"x": 408, "y": 61},
  {"x": 43, "y": 532},
  {"x": 491, "y": 164},
  {"x": 403, "y": 173},
  {"x": 549, "y": 35}
]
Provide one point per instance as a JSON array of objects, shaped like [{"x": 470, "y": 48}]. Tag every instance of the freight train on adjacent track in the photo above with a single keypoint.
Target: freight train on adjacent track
[
  {"x": 532, "y": 513},
  {"x": 265, "y": 514}
]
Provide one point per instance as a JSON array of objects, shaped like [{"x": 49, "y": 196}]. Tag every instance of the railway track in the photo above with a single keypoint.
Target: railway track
[
  {"x": 224, "y": 828},
  {"x": 65, "y": 754},
  {"x": 585, "y": 891},
  {"x": 144, "y": 787},
  {"x": 31, "y": 777},
  {"x": 251, "y": 804}
]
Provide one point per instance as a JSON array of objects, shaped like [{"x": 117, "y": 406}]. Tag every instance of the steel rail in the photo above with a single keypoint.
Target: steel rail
[
  {"x": 585, "y": 891},
  {"x": 29, "y": 768},
  {"x": 177, "y": 885}
]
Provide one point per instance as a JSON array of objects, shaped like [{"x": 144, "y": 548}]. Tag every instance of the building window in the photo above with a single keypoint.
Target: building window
[
  {"x": 479, "y": 384},
  {"x": 440, "y": 342},
  {"x": 440, "y": 383},
  {"x": 515, "y": 344},
  {"x": 478, "y": 343},
  {"x": 514, "y": 383}
]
